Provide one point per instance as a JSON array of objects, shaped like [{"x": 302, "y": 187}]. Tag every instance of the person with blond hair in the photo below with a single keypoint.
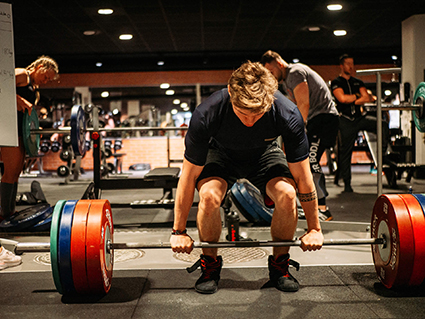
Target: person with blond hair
[
  {"x": 233, "y": 134},
  {"x": 28, "y": 80}
]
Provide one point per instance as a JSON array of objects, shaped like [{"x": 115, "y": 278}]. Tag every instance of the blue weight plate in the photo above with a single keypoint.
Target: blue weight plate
[
  {"x": 421, "y": 199},
  {"x": 43, "y": 225},
  {"x": 243, "y": 206},
  {"x": 26, "y": 218},
  {"x": 78, "y": 130},
  {"x": 253, "y": 196},
  {"x": 64, "y": 247}
]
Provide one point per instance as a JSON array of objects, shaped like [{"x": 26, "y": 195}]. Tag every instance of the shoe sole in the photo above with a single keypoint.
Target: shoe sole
[{"x": 206, "y": 292}]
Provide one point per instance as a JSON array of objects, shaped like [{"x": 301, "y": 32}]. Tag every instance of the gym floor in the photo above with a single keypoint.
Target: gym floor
[{"x": 335, "y": 282}]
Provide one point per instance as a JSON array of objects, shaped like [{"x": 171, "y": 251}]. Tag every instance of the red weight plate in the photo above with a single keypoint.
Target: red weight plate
[
  {"x": 393, "y": 262},
  {"x": 418, "y": 225},
  {"x": 99, "y": 260},
  {"x": 78, "y": 246}
]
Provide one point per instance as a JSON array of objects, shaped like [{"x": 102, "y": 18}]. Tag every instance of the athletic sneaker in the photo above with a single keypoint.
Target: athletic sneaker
[
  {"x": 8, "y": 259},
  {"x": 325, "y": 215},
  {"x": 280, "y": 276},
  {"x": 211, "y": 268}
]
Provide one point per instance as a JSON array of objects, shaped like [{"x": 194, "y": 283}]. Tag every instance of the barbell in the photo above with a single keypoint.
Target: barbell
[
  {"x": 82, "y": 247},
  {"x": 76, "y": 131}
]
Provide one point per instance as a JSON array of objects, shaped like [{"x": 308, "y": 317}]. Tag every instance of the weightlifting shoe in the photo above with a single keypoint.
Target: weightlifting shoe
[
  {"x": 280, "y": 276},
  {"x": 211, "y": 268},
  {"x": 8, "y": 259}
]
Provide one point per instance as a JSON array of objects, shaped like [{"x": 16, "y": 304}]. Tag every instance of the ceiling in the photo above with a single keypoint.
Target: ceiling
[{"x": 205, "y": 35}]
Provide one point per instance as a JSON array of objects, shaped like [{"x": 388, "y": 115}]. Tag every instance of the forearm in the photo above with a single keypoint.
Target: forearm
[
  {"x": 310, "y": 206},
  {"x": 183, "y": 203}
]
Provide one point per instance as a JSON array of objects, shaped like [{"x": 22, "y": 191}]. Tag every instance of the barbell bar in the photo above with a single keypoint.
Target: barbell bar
[
  {"x": 31, "y": 247},
  {"x": 67, "y": 129}
]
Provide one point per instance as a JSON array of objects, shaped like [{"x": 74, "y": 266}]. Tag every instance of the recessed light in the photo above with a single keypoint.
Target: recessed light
[
  {"x": 160, "y": 63},
  {"x": 176, "y": 101},
  {"x": 164, "y": 85},
  {"x": 169, "y": 92},
  {"x": 334, "y": 7},
  {"x": 174, "y": 111},
  {"x": 313, "y": 29},
  {"x": 295, "y": 60},
  {"x": 387, "y": 92},
  {"x": 183, "y": 105},
  {"x": 340, "y": 33},
  {"x": 104, "y": 94},
  {"x": 105, "y": 11},
  {"x": 126, "y": 36},
  {"x": 394, "y": 57},
  {"x": 89, "y": 32},
  {"x": 99, "y": 64}
]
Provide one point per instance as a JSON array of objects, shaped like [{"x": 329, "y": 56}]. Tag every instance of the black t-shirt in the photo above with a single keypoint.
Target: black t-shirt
[
  {"x": 214, "y": 123},
  {"x": 351, "y": 86}
]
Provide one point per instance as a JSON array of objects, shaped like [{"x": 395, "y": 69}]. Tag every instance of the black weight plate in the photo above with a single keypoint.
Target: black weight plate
[
  {"x": 78, "y": 130},
  {"x": 43, "y": 225},
  {"x": 26, "y": 218}
]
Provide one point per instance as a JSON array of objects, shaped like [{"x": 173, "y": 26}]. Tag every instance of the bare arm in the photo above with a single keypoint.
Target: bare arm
[
  {"x": 352, "y": 98},
  {"x": 184, "y": 200},
  {"x": 313, "y": 238},
  {"x": 21, "y": 79},
  {"x": 302, "y": 99}
]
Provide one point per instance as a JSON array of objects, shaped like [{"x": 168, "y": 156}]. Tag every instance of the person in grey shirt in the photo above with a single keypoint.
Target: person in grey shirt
[{"x": 313, "y": 98}]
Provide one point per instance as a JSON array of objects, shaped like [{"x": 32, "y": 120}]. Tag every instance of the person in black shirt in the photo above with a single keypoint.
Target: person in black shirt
[
  {"x": 41, "y": 71},
  {"x": 350, "y": 94},
  {"x": 233, "y": 135}
]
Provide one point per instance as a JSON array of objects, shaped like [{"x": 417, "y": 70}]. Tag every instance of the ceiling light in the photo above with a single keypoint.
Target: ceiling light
[
  {"x": 176, "y": 101},
  {"x": 183, "y": 105},
  {"x": 186, "y": 109},
  {"x": 174, "y": 111},
  {"x": 313, "y": 29},
  {"x": 105, "y": 11},
  {"x": 295, "y": 60},
  {"x": 99, "y": 64},
  {"x": 126, "y": 36},
  {"x": 387, "y": 92},
  {"x": 334, "y": 7},
  {"x": 160, "y": 63},
  {"x": 104, "y": 94},
  {"x": 340, "y": 33},
  {"x": 394, "y": 57},
  {"x": 169, "y": 92},
  {"x": 164, "y": 85},
  {"x": 89, "y": 32}
]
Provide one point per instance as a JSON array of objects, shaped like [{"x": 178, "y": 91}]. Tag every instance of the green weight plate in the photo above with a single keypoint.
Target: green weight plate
[
  {"x": 419, "y": 116},
  {"x": 54, "y": 238},
  {"x": 31, "y": 141}
]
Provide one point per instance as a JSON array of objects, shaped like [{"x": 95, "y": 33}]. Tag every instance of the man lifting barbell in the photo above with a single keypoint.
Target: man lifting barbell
[
  {"x": 233, "y": 135},
  {"x": 41, "y": 71}
]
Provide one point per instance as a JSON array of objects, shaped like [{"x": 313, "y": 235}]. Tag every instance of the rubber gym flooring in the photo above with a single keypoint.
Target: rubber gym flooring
[{"x": 336, "y": 282}]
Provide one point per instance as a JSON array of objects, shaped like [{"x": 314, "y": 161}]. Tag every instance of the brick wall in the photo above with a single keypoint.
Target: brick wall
[{"x": 152, "y": 150}]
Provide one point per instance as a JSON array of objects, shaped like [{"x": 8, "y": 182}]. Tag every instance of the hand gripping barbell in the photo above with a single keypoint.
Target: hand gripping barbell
[{"x": 82, "y": 247}]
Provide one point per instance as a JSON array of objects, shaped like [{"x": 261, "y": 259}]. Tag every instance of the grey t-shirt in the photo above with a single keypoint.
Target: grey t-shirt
[{"x": 320, "y": 96}]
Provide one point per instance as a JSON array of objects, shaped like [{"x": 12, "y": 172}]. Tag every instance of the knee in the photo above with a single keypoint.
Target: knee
[
  {"x": 210, "y": 198},
  {"x": 286, "y": 195}
]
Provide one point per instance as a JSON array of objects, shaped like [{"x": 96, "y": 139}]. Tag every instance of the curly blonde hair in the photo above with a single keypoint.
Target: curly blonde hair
[
  {"x": 252, "y": 87},
  {"x": 47, "y": 63}
]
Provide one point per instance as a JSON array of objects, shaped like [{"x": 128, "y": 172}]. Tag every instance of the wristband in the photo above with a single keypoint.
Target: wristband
[{"x": 178, "y": 232}]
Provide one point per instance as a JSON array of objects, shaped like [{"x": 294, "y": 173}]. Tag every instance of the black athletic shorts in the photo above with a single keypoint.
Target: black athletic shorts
[{"x": 272, "y": 163}]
